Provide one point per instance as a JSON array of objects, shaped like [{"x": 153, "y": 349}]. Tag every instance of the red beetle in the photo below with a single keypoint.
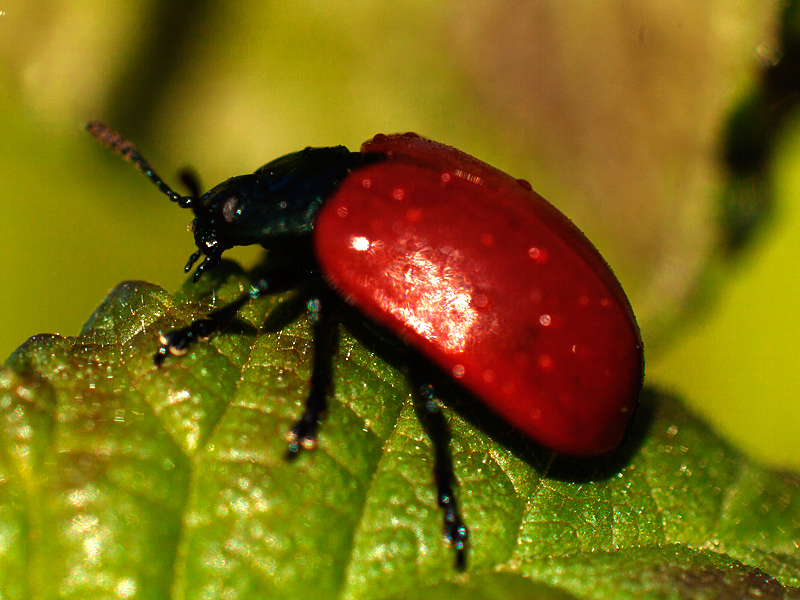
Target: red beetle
[
  {"x": 457, "y": 259},
  {"x": 493, "y": 284}
]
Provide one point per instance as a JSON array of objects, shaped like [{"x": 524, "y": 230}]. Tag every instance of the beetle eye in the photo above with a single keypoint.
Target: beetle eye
[{"x": 229, "y": 211}]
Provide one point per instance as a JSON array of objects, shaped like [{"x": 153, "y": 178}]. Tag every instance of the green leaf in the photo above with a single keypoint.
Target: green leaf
[{"x": 119, "y": 479}]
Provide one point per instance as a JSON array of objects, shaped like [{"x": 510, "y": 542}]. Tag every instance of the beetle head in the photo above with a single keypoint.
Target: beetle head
[{"x": 217, "y": 221}]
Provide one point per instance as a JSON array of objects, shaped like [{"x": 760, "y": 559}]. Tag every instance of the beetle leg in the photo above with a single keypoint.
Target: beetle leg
[
  {"x": 435, "y": 424},
  {"x": 177, "y": 342},
  {"x": 304, "y": 433}
]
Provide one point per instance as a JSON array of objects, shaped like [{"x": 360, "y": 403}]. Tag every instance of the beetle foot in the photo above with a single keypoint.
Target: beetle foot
[
  {"x": 177, "y": 342},
  {"x": 454, "y": 529},
  {"x": 303, "y": 436}
]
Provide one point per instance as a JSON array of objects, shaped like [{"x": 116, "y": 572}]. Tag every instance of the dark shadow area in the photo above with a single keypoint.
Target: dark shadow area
[
  {"x": 753, "y": 130},
  {"x": 566, "y": 468},
  {"x": 170, "y": 35}
]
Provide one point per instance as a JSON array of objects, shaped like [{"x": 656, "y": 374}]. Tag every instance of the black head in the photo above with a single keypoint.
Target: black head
[{"x": 215, "y": 222}]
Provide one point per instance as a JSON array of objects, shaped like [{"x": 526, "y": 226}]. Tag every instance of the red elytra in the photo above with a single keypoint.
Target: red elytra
[{"x": 493, "y": 284}]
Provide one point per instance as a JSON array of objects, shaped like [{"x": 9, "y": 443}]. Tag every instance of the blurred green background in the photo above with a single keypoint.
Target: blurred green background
[{"x": 619, "y": 112}]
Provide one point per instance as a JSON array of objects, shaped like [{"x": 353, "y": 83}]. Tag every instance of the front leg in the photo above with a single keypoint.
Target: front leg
[
  {"x": 321, "y": 304},
  {"x": 177, "y": 341}
]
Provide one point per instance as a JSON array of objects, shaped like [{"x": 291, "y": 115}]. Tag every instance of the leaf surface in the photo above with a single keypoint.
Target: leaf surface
[{"x": 119, "y": 479}]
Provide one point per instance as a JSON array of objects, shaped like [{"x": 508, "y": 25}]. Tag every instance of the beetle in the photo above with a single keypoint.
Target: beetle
[{"x": 461, "y": 262}]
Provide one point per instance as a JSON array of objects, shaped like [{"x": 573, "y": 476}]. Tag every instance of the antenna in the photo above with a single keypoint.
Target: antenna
[{"x": 126, "y": 149}]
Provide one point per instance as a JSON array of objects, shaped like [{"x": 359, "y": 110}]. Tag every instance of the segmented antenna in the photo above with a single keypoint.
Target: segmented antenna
[{"x": 125, "y": 148}]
